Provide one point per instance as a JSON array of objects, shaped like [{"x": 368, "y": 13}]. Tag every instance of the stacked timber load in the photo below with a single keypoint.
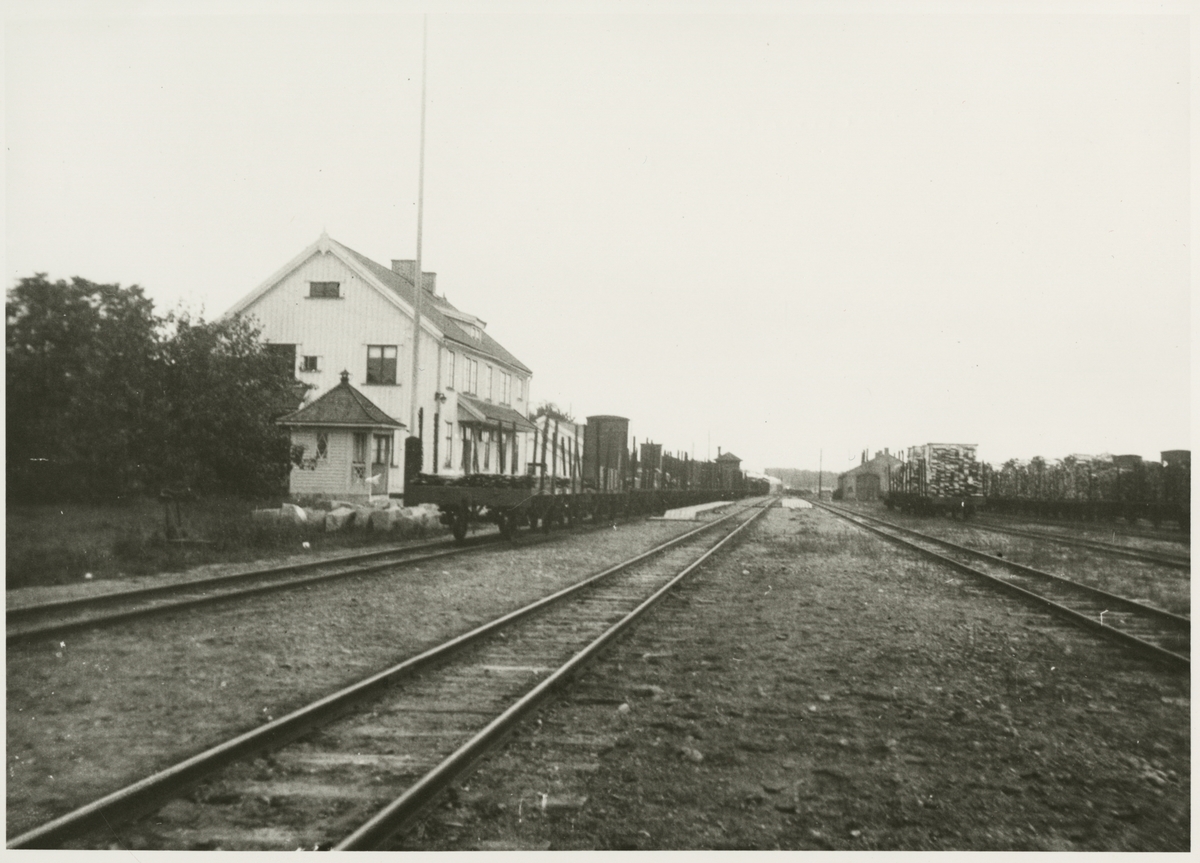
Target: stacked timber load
[
  {"x": 1007, "y": 480},
  {"x": 1075, "y": 477},
  {"x": 949, "y": 470}
]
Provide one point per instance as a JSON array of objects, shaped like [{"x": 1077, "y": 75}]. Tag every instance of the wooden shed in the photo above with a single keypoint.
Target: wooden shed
[{"x": 346, "y": 446}]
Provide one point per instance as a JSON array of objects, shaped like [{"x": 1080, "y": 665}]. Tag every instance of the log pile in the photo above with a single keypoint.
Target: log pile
[
  {"x": 951, "y": 470},
  {"x": 939, "y": 470},
  {"x": 1076, "y": 477}
]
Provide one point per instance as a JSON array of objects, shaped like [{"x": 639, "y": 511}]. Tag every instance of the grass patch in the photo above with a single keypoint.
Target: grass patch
[{"x": 49, "y": 545}]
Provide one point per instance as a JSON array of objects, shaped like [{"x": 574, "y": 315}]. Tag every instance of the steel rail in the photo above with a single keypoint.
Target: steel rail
[
  {"x": 410, "y": 555},
  {"x": 15, "y": 613},
  {"x": 1099, "y": 593},
  {"x": 405, "y": 809},
  {"x": 59, "y": 627},
  {"x": 148, "y": 794},
  {"x": 1174, "y": 561},
  {"x": 1176, "y": 536},
  {"x": 1171, "y": 658}
]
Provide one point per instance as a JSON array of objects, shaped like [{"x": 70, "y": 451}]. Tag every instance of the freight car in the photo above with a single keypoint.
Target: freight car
[
  {"x": 936, "y": 479},
  {"x": 1095, "y": 488},
  {"x": 599, "y": 480}
]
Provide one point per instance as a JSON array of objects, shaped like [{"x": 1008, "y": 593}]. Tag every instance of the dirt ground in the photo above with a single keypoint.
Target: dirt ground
[{"x": 815, "y": 689}]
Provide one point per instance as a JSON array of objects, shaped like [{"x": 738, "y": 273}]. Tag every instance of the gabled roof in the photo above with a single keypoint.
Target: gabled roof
[
  {"x": 435, "y": 307},
  {"x": 473, "y": 410},
  {"x": 877, "y": 465},
  {"x": 728, "y": 456},
  {"x": 341, "y": 406},
  {"x": 403, "y": 294}
]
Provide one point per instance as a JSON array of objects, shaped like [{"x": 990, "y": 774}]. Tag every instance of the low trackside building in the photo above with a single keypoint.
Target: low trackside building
[{"x": 868, "y": 481}]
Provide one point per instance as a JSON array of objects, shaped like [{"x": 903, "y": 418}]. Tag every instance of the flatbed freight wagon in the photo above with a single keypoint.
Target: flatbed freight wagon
[
  {"x": 937, "y": 479},
  {"x": 599, "y": 480},
  {"x": 511, "y": 508}
]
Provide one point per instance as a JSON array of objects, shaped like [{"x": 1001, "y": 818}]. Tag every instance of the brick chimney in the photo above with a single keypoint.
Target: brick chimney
[{"x": 409, "y": 268}]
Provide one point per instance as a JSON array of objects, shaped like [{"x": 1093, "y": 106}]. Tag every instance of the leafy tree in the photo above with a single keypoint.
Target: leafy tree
[
  {"x": 80, "y": 357},
  {"x": 218, "y": 395},
  {"x": 106, "y": 398}
]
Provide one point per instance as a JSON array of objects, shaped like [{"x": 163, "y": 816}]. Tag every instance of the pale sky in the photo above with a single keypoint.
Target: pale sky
[{"x": 816, "y": 227}]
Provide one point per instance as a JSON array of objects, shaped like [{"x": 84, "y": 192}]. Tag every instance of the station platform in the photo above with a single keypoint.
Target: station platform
[{"x": 689, "y": 513}]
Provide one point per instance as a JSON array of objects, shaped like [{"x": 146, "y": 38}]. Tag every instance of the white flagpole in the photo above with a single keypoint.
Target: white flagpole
[{"x": 417, "y": 278}]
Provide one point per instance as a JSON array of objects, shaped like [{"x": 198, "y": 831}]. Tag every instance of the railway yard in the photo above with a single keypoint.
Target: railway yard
[
  {"x": 789, "y": 678},
  {"x": 303, "y": 555}
]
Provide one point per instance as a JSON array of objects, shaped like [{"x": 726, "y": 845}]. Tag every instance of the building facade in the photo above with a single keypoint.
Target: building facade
[
  {"x": 331, "y": 310},
  {"x": 868, "y": 481}
]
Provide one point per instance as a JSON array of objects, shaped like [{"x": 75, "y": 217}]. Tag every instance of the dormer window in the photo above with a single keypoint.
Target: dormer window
[
  {"x": 324, "y": 290},
  {"x": 473, "y": 331}
]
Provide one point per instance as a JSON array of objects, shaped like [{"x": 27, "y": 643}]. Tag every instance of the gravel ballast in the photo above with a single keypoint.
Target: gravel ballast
[{"x": 814, "y": 688}]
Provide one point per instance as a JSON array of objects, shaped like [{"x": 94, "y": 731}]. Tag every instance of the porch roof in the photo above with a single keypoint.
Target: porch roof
[
  {"x": 342, "y": 406},
  {"x": 475, "y": 412}
]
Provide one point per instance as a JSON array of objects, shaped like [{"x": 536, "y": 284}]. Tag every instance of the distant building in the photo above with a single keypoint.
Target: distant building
[
  {"x": 868, "y": 481},
  {"x": 729, "y": 470}
]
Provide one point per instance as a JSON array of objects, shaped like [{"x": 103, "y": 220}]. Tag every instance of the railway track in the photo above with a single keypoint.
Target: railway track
[
  {"x": 59, "y": 617},
  {"x": 1175, "y": 536},
  {"x": 355, "y": 768},
  {"x": 41, "y": 620},
  {"x": 1175, "y": 561},
  {"x": 1151, "y": 631}
]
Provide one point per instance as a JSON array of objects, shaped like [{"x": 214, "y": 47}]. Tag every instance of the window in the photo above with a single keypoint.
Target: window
[
  {"x": 520, "y": 389},
  {"x": 283, "y": 358},
  {"x": 449, "y": 372},
  {"x": 310, "y": 364},
  {"x": 470, "y": 375},
  {"x": 324, "y": 290},
  {"x": 448, "y": 459},
  {"x": 505, "y": 381},
  {"x": 322, "y": 444},
  {"x": 381, "y": 364},
  {"x": 487, "y": 382},
  {"x": 383, "y": 449}
]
